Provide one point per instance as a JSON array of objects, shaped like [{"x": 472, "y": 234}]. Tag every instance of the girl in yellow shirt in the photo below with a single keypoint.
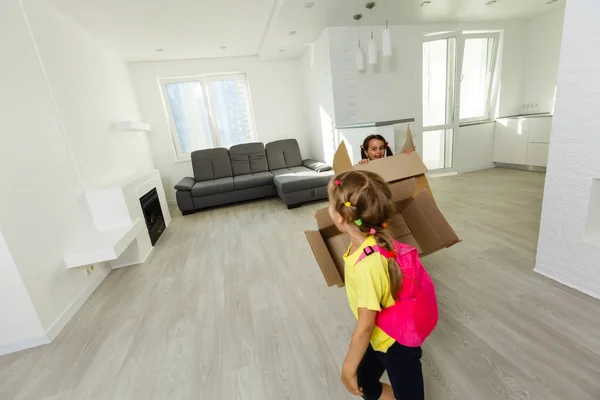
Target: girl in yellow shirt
[{"x": 360, "y": 204}]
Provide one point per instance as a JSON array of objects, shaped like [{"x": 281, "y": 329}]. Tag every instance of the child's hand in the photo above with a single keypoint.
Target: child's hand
[
  {"x": 363, "y": 161},
  {"x": 351, "y": 380}
]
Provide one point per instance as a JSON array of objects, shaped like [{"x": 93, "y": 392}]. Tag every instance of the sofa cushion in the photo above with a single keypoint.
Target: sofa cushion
[
  {"x": 299, "y": 178},
  {"x": 248, "y": 158},
  {"x": 211, "y": 164},
  {"x": 252, "y": 180},
  {"x": 316, "y": 165},
  {"x": 214, "y": 186},
  {"x": 283, "y": 154}
]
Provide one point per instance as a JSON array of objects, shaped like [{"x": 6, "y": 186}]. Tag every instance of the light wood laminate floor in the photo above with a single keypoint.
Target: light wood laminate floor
[{"x": 231, "y": 305}]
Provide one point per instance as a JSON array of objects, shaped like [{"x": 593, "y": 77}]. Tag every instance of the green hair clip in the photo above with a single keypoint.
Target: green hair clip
[{"x": 358, "y": 222}]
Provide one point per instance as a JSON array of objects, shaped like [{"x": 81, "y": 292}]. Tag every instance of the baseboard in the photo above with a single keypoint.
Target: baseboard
[
  {"x": 70, "y": 311},
  {"x": 137, "y": 263},
  {"x": 475, "y": 169},
  {"x": 23, "y": 344},
  {"x": 530, "y": 168},
  {"x": 572, "y": 286}
]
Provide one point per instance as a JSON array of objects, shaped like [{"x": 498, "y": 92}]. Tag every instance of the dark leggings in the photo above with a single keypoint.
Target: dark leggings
[{"x": 403, "y": 365}]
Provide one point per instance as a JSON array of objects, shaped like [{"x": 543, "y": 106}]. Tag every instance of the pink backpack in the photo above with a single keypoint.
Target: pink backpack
[{"x": 415, "y": 313}]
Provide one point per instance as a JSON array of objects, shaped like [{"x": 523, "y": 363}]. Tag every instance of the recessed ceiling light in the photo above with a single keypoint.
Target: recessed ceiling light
[
  {"x": 291, "y": 33},
  {"x": 489, "y": 3},
  {"x": 309, "y": 5},
  {"x": 223, "y": 47},
  {"x": 425, "y": 3},
  {"x": 160, "y": 50}
]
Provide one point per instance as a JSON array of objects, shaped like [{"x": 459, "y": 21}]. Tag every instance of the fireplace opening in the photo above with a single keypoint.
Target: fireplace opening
[{"x": 155, "y": 222}]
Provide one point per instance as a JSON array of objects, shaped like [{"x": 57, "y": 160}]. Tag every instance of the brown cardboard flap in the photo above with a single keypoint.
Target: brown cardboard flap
[
  {"x": 409, "y": 144},
  {"x": 393, "y": 168},
  {"x": 422, "y": 228},
  {"x": 398, "y": 226},
  {"x": 402, "y": 190},
  {"x": 428, "y": 225},
  {"x": 341, "y": 160},
  {"x": 323, "y": 218},
  {"x": 421, "y": 185},
  {"x": 338, "y": 245},
  {"x": 323, "y": 257},
  {"x": 441, "y": 225},
  {"x": 410, "y": 240}
]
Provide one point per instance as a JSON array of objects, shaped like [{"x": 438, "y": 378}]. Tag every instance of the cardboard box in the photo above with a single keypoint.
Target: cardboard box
[
  {"x": 392, "y": 169},
  {"x": 419, "y": 222}
]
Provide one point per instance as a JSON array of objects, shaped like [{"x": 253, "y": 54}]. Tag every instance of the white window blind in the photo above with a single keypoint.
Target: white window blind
[{"x": 209, "y": 111}]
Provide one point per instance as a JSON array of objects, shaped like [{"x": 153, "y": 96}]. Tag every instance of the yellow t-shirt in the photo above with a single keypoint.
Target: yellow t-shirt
[{"x": 368, "y": 286}]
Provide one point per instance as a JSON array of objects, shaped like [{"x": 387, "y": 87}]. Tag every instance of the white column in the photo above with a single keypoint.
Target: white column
[{"x": 569, "y": 241}]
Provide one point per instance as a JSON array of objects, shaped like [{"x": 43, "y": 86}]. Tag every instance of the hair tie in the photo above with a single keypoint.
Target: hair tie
[
  {"x": 358, "y": 222},
  {"x": 392, "y": 254},
  {"x": 347, "y": 204},
  {"x": 337, "y": 182},
  {"x": 384, "y": 225},
  {"x": 386, "y": 144},
  {"x": 372, "y": 231}
]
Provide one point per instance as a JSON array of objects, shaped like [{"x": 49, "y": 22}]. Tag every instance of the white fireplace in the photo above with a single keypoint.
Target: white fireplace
[{"x": 122, "y": 236}]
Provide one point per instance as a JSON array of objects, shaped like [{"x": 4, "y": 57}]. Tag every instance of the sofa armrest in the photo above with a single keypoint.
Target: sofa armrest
[
  {"x": 185, "y": 184},
  {"x": 317, "y": 166}
]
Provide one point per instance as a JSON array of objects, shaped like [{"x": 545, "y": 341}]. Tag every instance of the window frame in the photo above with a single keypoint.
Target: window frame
[
  {"x": 490, "y": 78},
  {"x": 204, "y": 80}
]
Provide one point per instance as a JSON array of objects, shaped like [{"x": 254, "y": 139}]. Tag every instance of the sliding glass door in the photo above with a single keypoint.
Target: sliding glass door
[{"x": 439, "y": 100}]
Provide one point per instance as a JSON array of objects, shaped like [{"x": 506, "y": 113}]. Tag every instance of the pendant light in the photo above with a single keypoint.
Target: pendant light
[
  {"x": 360, "y": 57},
  {"x": 372, "y": 45},
  {"x": 386, "y": 37}
]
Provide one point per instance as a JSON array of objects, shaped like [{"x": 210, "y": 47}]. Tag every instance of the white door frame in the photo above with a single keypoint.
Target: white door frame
[{"x": 454, "y": 63}]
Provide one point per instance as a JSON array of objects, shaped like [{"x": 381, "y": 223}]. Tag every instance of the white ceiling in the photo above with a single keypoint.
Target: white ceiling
[{"x": 199, "y": 28}]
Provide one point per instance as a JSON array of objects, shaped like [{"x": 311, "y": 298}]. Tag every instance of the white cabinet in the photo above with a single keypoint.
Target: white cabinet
[
  {"x": 539, "y": 130},
  {"x": 510, "y": 140},
  {"x": 522, "y": 140},
  {"x": 537, "y": 154}
]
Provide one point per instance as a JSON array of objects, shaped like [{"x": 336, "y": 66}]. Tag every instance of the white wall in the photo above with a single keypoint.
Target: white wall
[
  {"x": 21, "y": 327},
  {"x": 277, "y": 102},
  {"x": 92, "y": 89},
  {"x": 318, "y": 92},
  {"x": 393, "y": 88},
  {"x": 540, "y": 63},
  {"x": 564, "y": 252},
  {"x": 512, "y": 52},
  {"x": 54, "y": 127}
]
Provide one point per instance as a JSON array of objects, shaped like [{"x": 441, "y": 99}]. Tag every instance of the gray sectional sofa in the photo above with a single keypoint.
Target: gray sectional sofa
[{"x": 251, "y": 171}]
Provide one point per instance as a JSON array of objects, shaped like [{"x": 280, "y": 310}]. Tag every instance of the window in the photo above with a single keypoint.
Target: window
[
  {"x": 208, "y": 111},
  {"x": 458, "y": 73},
  {"x": 479, "y": 60},
  {"x": 437, "y": 68}
]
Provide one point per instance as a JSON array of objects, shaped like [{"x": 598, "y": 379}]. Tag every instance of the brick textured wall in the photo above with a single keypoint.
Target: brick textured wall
[{"x": 564, "y": 254}]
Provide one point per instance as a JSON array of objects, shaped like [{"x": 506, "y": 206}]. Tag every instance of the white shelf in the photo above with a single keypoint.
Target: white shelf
[
  {"x": 109, "y": 246},
  {"x": 131, "y": 126}
]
